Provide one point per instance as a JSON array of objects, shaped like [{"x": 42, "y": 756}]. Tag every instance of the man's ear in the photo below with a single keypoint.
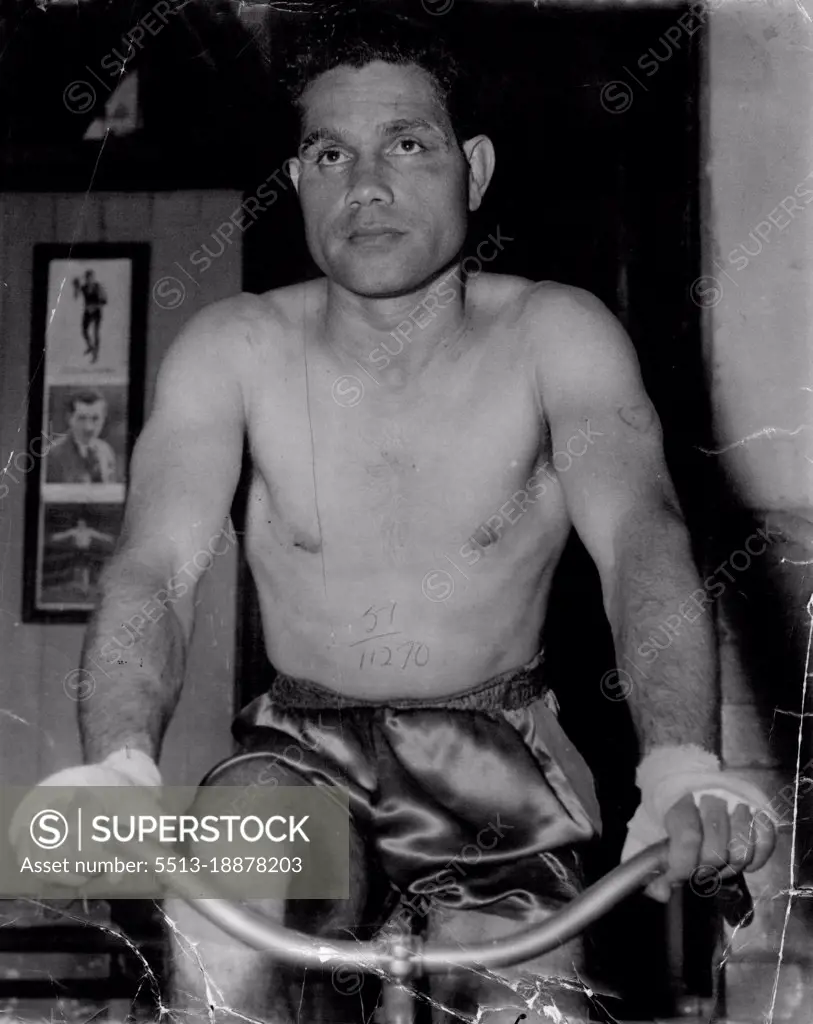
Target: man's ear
[
  {"x": 293, "y": 168},
  {"x": 480, "y": 157}
]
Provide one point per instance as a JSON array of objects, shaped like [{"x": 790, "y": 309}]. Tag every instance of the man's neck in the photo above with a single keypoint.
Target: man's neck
[{"x": 392, "y": 341}]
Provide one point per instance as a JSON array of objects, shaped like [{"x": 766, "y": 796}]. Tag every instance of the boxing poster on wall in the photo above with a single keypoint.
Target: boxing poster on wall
[{"x": 87, "y": 365}]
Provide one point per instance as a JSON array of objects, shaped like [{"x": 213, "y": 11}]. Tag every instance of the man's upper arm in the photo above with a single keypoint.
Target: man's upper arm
[
  {"x": 187, "y": 460},
  {"x": 600, "y": 415}
]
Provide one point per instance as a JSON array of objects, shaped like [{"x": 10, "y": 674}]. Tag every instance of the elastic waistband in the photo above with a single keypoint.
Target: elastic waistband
[{"x": 508, "y": 691}]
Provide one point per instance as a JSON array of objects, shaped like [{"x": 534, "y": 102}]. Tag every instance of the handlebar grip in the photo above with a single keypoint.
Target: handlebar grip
[{"x": 296, "y": 948}]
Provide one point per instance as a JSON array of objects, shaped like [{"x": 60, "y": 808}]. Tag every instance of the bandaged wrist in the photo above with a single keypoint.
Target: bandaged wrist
[
  {"x": 669, "y": 773},
  {"x": 136, "y": 765}
]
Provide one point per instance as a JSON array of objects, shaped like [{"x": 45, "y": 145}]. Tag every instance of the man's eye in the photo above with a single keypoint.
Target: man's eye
[
  {"x": 409, "y": 146},
  {"x": 332, "y": 157}
]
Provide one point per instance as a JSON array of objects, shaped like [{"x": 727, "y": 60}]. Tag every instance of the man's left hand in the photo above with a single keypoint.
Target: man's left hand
[{"x": 711, "y": 837}]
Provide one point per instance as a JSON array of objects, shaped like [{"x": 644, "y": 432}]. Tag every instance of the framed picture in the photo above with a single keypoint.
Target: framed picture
[{"x": 87, "y": 403}]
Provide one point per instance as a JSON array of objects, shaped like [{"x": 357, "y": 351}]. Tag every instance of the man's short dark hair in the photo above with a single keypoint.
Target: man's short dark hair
[
  {"x": 88, "y": 397},
  {"x": 363, "y": 34}
]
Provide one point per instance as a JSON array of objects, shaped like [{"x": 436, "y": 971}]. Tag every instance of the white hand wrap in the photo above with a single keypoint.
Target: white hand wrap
[
  {"x": 125, "y": 767},
  {"x": 136, "y": 766},
  {"x": 667, "y": 774}
]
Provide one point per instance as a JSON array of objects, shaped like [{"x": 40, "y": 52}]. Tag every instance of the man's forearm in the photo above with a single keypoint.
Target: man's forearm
[
  {"x": 669, "y": 656},
  {"x": 132, "y": 663}
]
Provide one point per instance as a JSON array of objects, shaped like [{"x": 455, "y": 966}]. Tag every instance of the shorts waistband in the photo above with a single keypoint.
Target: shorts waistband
[{"x": 508, "y": 691}]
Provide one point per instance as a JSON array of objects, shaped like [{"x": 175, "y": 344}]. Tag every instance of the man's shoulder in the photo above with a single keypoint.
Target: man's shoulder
[
  {"x": 61, "y": 457},
  {"x": 229, "y": 341},
  {"x": 104, "y": 447},
  {"x": 575, "y": 343},
  {"x": 62, "y": 448},
  {"x": 229, "y": 317},
  {"x": 554, "y": 302},
  {"x": 564, "y": 323},
  {"x": 275, "y": 302},
  {"x": 219, "y": 336},
  {"x": 523, "y": 300},
  {"x": 256, "y": 319},
  {"x": 287, "y": 303}
]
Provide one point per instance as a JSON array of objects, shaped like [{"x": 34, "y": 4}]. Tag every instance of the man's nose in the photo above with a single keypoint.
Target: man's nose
[{"x": 369, "y": 184}]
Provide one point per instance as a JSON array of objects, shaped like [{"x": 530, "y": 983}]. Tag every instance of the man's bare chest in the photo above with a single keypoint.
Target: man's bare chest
[{"x": 391, "y": 478}]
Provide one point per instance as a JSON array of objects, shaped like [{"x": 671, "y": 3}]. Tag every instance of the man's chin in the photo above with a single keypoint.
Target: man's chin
[
  {"x": 380, "y": 282},
  {"x": 380, "y": 291}
]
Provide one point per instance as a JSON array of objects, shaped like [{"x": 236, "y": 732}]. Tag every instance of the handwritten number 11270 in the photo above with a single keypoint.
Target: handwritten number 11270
[{"x": 383, "y": 656}]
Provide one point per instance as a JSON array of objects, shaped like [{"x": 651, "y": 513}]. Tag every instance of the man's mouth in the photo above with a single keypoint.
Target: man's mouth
[{"x": 374, "y": 232}]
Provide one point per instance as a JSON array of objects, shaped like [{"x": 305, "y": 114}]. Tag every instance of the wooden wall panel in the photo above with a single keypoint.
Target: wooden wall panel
[{"x": 38, "y": 731}]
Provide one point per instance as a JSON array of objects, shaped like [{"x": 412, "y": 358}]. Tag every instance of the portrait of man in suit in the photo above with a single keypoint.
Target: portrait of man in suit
[{"x": 82, "y": 455}]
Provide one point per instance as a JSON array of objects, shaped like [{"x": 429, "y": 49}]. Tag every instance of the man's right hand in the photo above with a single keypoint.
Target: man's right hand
[{"x": 123, "y": 768}]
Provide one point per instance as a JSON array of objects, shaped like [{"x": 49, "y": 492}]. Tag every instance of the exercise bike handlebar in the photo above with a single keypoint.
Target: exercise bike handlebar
[{"x": 294, "y": 947}]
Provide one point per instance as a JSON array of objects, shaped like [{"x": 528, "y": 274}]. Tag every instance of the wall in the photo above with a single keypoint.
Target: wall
[
  {"x": 38, "y": 732},
  {"x": 761, "y": 69},
  {"x": 758, "y": 351}
]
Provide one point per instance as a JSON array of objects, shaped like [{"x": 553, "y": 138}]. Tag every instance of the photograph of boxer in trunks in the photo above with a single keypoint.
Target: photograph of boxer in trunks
[
  {"x": 429, "y": 707},
  {"x": 95, "y": 299}
]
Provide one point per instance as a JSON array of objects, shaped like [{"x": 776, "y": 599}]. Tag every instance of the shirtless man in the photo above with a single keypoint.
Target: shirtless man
[
  {"x": 95, "y": 299},
  {"x": 82, "y": 538},
  {"x": 352, "y": 508}
]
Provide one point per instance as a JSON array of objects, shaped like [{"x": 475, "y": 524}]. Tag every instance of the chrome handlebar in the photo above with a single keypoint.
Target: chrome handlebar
[{"x": 406, "y": 955}]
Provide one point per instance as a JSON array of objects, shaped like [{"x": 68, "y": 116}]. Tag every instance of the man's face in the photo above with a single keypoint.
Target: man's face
[
  {"x": 86, "y": 421},
  {"x": 381, "y": 179}
]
